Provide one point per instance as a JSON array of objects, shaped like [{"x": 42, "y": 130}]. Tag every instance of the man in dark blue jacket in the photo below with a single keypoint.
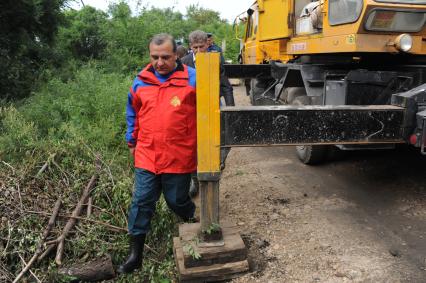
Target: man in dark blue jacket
[
  {"x": 198, "y": 43},
  {"x": 211, "y": 45}
]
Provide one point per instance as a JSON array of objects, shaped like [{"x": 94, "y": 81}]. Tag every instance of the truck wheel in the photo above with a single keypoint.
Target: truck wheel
[
  {"x": 296, "y": 96},
  {"x": 312, "y": 154},
  {"x": 257, "y": 87},
  {"x": 309, "y": 154}
]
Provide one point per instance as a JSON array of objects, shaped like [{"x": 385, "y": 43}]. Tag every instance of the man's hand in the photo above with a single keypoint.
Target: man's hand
[{"x": 132, "y": 151}]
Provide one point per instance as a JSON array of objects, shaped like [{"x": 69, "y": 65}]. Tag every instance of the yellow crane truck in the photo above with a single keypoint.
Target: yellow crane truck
[{"x": 343, "y": 67}]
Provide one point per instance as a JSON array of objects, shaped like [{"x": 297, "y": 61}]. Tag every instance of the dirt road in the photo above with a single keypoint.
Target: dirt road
[{"x": 358, "y": 219}]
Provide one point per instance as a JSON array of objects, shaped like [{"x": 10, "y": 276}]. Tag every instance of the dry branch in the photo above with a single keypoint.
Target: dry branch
[
  {"x": 45, "y": 165},
  {"x": 46, "y": 252},
  {"x": 10, "y": 166},
  {"x": 9, "y": 230},
  {"x": 26, "y": 264},
  {"x": 109, "y": 226},
  {"x": 89, "y": 207},
  {"x": 42, "y": 240},
  {"x": 72, "y": 221}
]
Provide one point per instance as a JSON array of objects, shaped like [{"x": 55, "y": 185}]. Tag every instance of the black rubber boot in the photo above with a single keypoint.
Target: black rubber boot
[{"x": 134, "y": 260}]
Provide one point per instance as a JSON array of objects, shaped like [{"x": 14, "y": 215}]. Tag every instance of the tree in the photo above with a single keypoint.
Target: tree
[
  {"x": 201, "y": 16},
  {"x": 27, "y": 32},
  {"x": 83, "y": 34}
]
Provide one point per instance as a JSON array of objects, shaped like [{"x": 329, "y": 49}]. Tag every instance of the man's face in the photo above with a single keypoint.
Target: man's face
[
  {"x": 199, "y": 47},
  {"x": 209, "y": 41},
  {"x": 162, "y": 57}
]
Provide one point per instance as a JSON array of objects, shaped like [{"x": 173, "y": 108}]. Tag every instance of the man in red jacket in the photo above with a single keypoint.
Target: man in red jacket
[{"x": 162, "y": 137}]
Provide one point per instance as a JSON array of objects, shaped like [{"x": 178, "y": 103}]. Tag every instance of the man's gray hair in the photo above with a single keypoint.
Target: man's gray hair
[
  {"x": 197, "y": 36},
  {"x": 160, "y": 38}
]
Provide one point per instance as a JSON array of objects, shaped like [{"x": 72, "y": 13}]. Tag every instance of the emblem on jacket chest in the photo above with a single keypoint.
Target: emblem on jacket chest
[{"x": 175, "y": 102}]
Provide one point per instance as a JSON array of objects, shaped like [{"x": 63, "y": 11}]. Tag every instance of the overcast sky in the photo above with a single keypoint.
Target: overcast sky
[{"x": 228, "y": 9}]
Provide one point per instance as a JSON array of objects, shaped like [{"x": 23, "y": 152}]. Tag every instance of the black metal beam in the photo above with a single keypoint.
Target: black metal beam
[
  {"x": 289, "y": 125},
  {"x": 247, "y": 71}
]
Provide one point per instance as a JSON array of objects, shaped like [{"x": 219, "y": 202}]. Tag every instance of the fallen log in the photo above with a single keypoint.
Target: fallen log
[
  {"x": 42, "y": 240},
  {"x": 98, "y": 270},
  {"x": 72, "y": 221}
]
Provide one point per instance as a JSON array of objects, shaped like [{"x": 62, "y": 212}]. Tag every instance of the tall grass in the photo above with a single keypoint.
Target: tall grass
[{"x": 70, "y": 125}]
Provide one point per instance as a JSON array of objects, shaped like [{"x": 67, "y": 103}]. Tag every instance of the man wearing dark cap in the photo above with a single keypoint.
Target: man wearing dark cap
[{"x": 211, "y": 45}]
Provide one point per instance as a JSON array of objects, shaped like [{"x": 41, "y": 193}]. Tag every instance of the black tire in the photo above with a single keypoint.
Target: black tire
[
  {"x": 293, "y": 93},
  {"x": 248, "y": 87},
  {"x": 308, "y": 154},
  {"x": 257, "y": 88},
  {"x": 301, "y": 100},
  {"x": 312, "y": 154}
]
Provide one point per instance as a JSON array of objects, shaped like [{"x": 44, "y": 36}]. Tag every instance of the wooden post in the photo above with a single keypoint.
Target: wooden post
[
  {"x": 209, "y": 210},
  {"x": 221, "y": 251},
  {"x": 208, "y": 140}
]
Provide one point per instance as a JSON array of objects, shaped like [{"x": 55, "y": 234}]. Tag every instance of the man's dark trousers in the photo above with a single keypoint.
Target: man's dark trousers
[{"x": 148, "y": 188}]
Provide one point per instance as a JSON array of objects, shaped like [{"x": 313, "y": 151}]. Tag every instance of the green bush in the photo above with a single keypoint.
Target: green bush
[{"x": 71, "y": 126}]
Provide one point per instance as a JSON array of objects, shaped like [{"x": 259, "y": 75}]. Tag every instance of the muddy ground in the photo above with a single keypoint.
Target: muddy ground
[{"x": 361, "y": 218}]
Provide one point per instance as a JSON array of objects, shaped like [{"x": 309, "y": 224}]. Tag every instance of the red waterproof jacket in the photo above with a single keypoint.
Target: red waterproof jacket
[{"x": 161, "y": 121}]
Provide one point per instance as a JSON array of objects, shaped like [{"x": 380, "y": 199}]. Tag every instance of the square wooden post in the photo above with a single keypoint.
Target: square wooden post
[
  {"x": 208, "y": 141},
  {"x": 209, "y": 250}
]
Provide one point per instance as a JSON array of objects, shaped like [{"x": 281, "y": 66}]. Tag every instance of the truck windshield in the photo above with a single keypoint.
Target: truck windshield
[
  {"x": 344, "y": 11},
  {"x": 404, "y": 1}
]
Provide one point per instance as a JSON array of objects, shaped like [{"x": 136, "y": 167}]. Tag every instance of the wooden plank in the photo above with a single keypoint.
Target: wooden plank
[
  {"x": 206, "y": 273},
  {"x": 233, "y": 249}
]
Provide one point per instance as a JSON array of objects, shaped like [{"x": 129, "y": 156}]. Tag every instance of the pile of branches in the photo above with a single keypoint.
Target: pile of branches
[{"x": 40, "y": 212}]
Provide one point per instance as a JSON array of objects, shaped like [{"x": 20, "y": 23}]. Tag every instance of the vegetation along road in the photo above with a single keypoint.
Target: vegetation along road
[{"x": 360, "y": 218}]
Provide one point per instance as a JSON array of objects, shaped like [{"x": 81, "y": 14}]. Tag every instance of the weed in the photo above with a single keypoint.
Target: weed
[
  {"x": 189, "y": 248},
  {"x": 213, "y": 228}
]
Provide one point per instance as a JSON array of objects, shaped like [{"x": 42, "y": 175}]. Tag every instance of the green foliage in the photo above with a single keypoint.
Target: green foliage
[
  {"x": 27, "y": 30},
  {"x": 76, "y": 81},
  {"x": 213, "y": 228},
  {"x": 83, "y": 35},
  {"x": 19, "y": 135},
  {"x": 64, "y": 41},
  {"x": 188, "y": 247},
  {"x": 78, "y": 122}
]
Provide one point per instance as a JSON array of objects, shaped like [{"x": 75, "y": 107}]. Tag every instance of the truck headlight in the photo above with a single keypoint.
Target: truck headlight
[{"x": 404, "y": 42}]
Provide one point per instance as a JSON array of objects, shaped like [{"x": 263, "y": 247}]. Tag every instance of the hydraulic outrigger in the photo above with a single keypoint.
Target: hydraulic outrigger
[{"x": 213, "y": 250}]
